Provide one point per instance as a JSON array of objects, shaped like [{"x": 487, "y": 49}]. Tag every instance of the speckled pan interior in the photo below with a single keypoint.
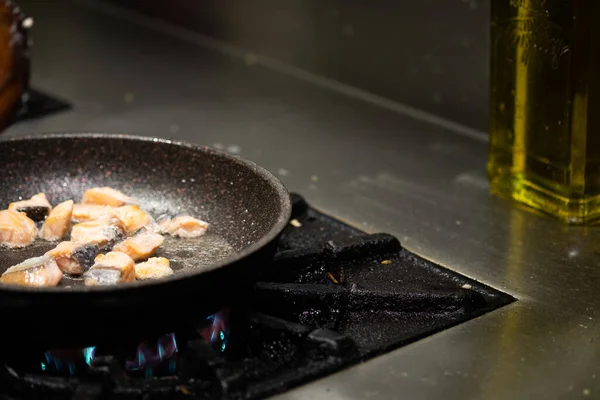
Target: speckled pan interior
[{"x": 243, "y": 203}]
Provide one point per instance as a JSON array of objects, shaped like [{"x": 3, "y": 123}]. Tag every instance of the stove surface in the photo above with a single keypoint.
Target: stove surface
[
  {"x": 333, "y": 296},
  {"x": 368, "y": 161}
]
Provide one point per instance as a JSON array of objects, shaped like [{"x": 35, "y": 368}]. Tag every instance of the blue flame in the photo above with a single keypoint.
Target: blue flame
[
  {"x": 218, "y": 332},
  {"x": 141, "y": 358},
  {"x": 172, "y": 367},
  {"x": 57, "y": 361},
  {"x": 89, "y": 353},
  {"x": 149, "y": 355}
]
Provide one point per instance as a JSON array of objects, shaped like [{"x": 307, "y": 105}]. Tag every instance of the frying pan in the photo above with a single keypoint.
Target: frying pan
[{"x": 245, "y": 205}]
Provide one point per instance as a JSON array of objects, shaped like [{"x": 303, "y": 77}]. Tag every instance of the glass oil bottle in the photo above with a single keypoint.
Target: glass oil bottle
[{"x": 545, "y": 106}]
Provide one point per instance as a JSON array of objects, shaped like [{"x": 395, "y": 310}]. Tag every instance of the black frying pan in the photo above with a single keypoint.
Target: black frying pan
[{"x": 246, "y": 206}]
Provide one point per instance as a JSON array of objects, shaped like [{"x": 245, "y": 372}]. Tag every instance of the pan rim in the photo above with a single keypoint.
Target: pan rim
[{"x": 280, "y": 190}]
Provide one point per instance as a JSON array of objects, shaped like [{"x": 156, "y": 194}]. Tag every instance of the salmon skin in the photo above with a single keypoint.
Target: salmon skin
[
  {"x": 36, "y": 208},
  {"x": 74, "y": 258}
]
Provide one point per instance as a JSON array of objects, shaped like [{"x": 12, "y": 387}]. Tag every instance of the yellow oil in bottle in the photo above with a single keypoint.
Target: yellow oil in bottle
[{"x": 545, "y": 106}]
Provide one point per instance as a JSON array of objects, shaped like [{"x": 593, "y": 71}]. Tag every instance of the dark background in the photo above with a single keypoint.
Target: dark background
[{"x": 429, "y": 54}]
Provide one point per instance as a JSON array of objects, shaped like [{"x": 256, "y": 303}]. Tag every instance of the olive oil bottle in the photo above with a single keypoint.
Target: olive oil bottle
[{"x": 545, "y": 106}]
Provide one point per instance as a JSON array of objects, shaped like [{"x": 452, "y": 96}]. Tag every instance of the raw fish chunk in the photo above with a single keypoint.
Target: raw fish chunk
[
  {"x": 133, "y": 218},
  {"x": 110, "y": 269},
  {"x": 58, "y": 223},
  {"x": 16, "y": 229},
  {"x": 92, "y": 212},
  {"x": 38, "y": 272},
  {"x": 102, "y": 232},
  {"x": 184, "y": 226},
  {"x": 106, "y": 196},
  {"x": 154, "y": 268},
  {"x": 141, "y": 245}
]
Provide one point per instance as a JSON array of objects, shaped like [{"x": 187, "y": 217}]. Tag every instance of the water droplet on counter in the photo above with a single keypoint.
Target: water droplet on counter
[
  {"x": 251, "y": 59},
  {"x": 128, "y": 97}
]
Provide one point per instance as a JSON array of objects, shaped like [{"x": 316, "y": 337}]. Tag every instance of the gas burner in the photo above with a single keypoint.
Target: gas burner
[{"x": 333, "y": 296}]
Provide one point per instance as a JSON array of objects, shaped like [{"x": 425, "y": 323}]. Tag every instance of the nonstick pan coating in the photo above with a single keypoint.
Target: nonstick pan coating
[{"x": 244, "y": 204}]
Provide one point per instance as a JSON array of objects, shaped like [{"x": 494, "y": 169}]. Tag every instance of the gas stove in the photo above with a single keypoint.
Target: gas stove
[{"x": 333, "y": 296}]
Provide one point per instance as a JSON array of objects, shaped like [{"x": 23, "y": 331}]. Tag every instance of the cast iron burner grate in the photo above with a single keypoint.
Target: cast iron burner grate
[
  {"x": 38, "y": 104},
  {"x": 333, "y": 296}
]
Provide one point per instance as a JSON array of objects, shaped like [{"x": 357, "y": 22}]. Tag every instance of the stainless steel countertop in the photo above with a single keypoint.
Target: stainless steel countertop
[{"x": 375, "y": 164}]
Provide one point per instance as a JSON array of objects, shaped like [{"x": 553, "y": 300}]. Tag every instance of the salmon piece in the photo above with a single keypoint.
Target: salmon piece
[
  {"x": 103, "y": 232},
  {"x": 74, "y": 258},
  {"x": 110, "y": 269},
  {"x": 106, "y": 196},
  {"x": 184, "y": 226},
  {"x": 141, "y": 245},
  {"x": 16, "y": 229},
  {"x": 38, "y": 272},
  {"x": 36, "y": 208},
  {"x": 58, "y": 223},
  {"x": 154, "y": 268},
  {"x": 133, "y": 217},
  {"x": 92, "y": 212}
]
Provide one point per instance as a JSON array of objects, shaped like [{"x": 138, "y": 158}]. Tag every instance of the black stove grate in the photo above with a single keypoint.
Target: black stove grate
[
  {"x": 333, "y": 296},
  {"x": 37, "y": 105}
]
